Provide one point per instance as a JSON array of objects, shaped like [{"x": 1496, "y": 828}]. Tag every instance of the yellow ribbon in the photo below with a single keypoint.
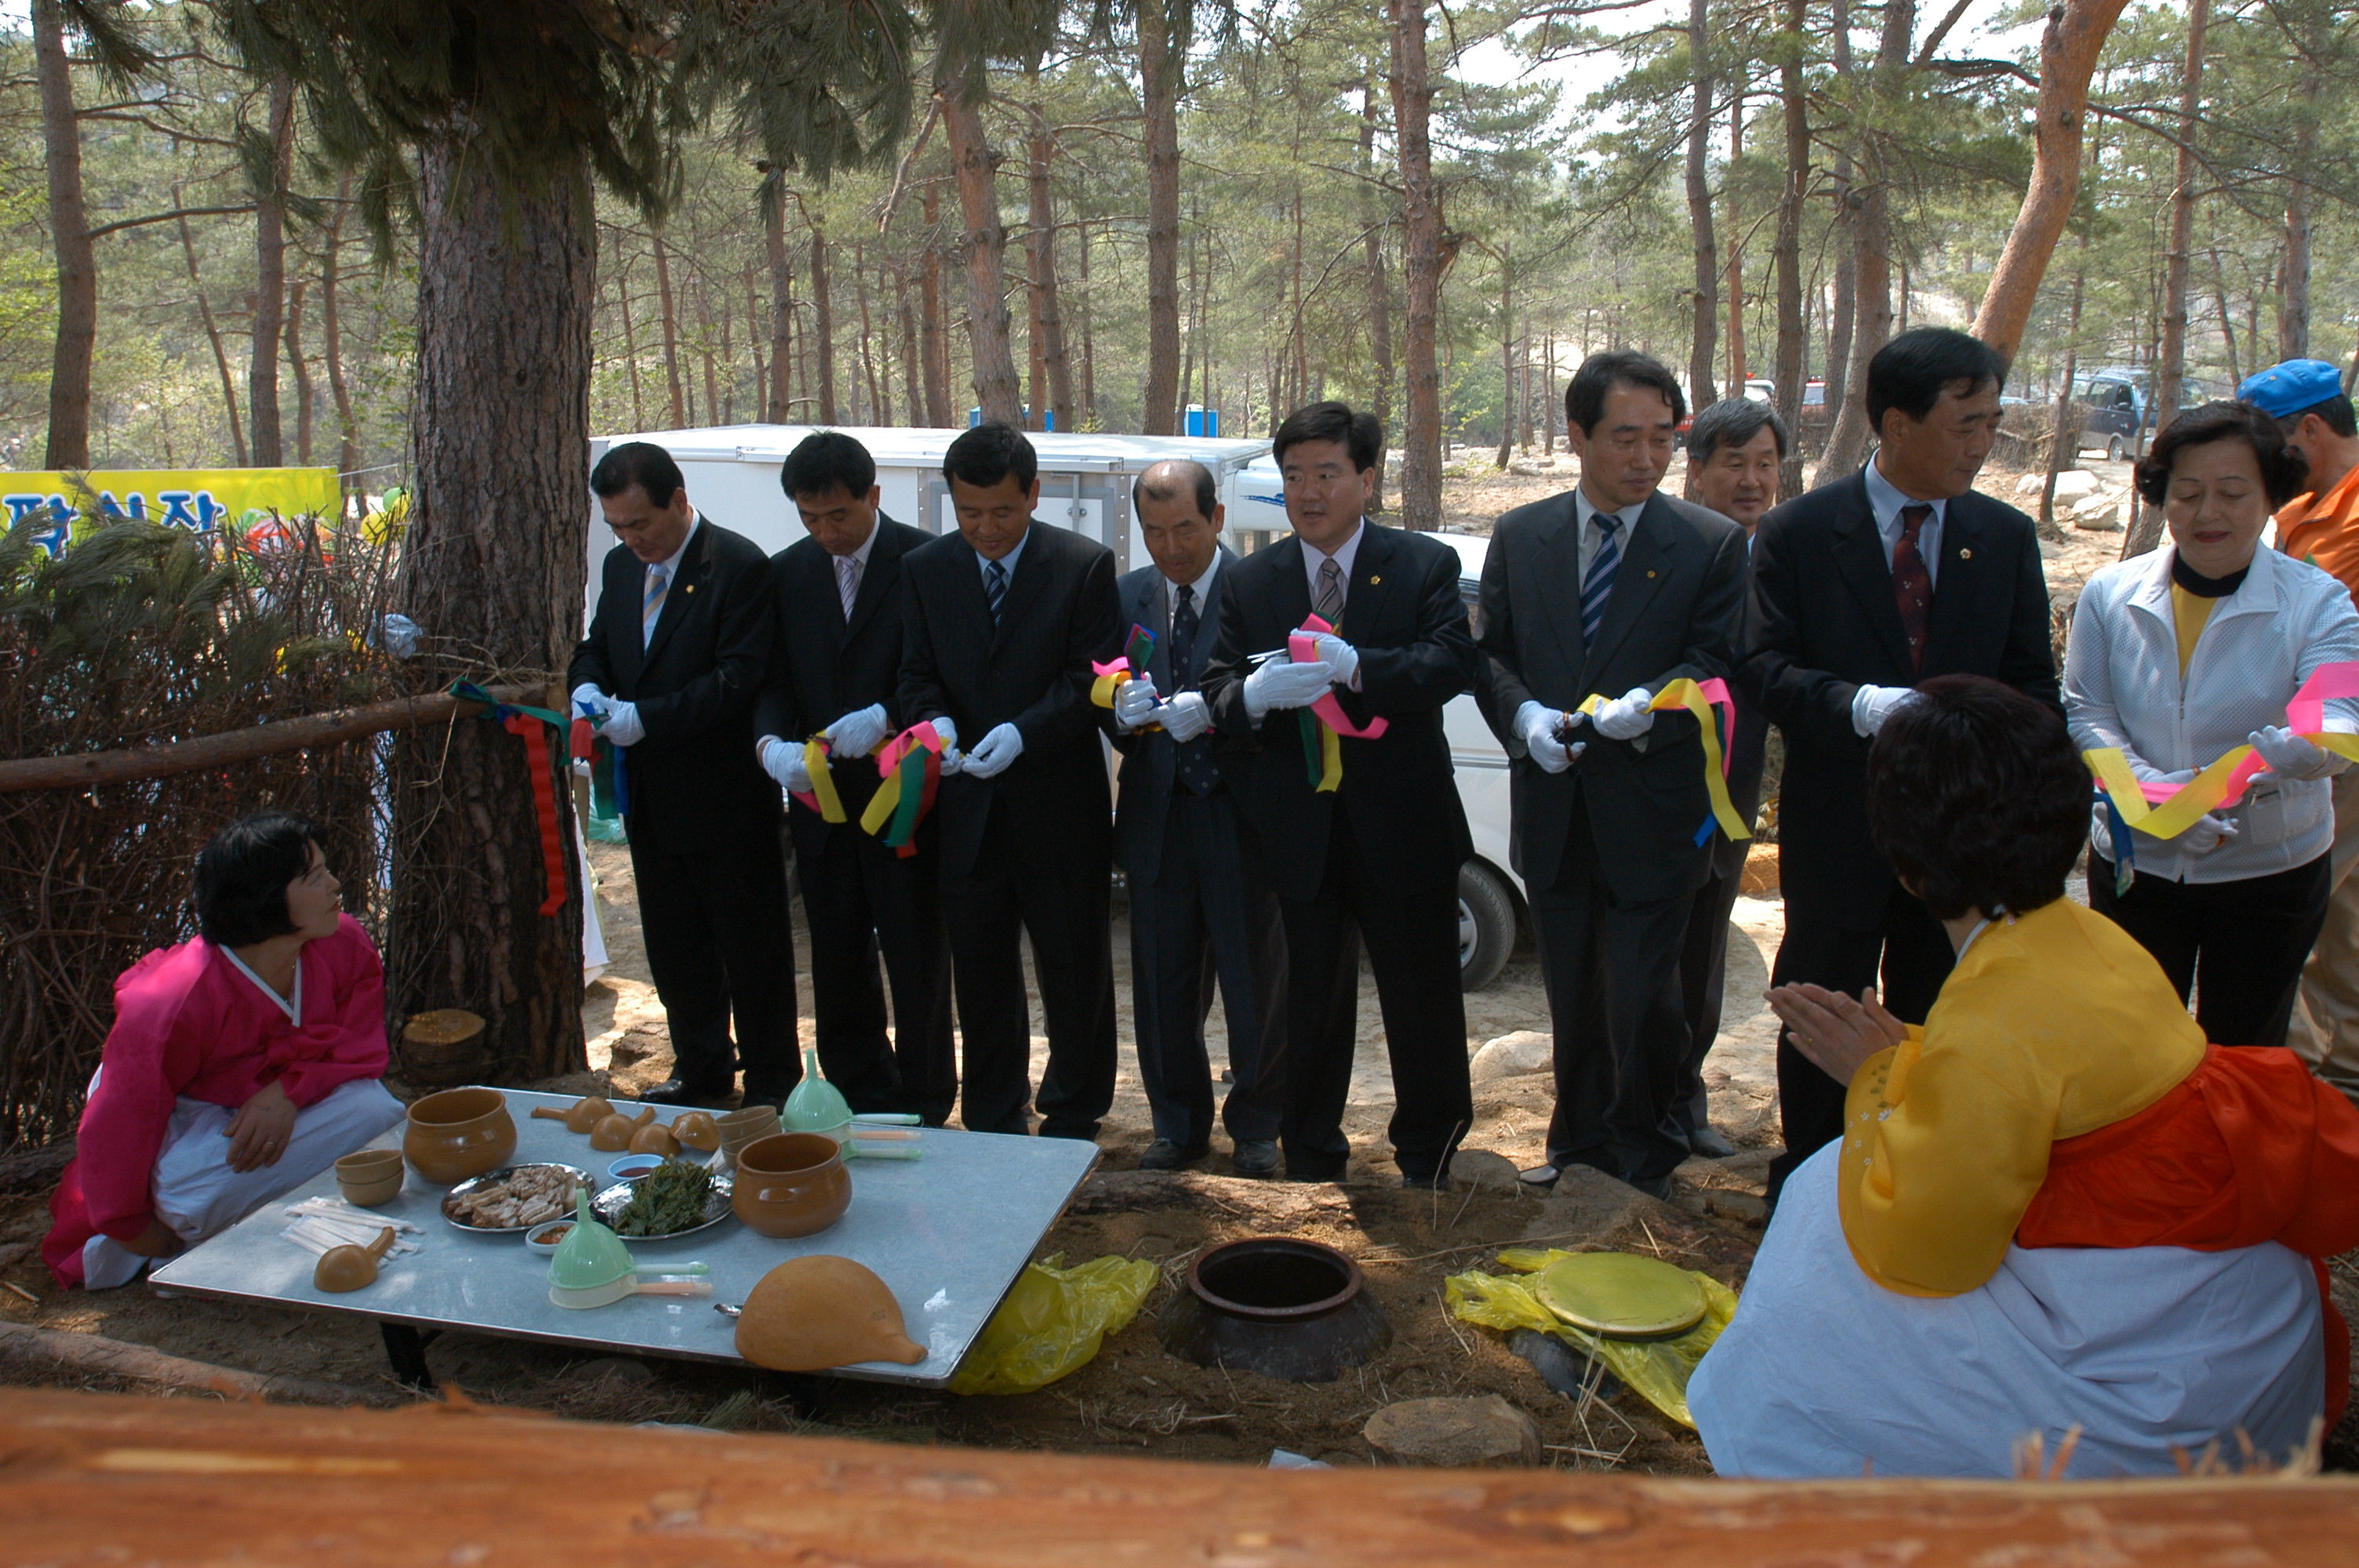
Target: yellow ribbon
[
  {"x": 2221, "y": 783},
  {"x": 1688, "y": 697},
  {"x": 1330, "y": 762},
  {"x": 822, "y": 782}
]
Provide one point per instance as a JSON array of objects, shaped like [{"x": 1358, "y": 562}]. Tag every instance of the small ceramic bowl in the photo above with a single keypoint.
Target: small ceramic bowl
[
  {"x": 544, "y": 1238},
  {"x": 371, "y": 1177},
  {"x": 631, "y": 1167}
]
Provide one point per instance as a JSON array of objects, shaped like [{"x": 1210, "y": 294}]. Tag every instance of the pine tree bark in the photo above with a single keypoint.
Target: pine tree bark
[
  {"x": 670, "y": 334},
  {"x": 1739, "y": 368},
  {"x": 1703, "y": 346},
  {"x": 332, "y": 335},
  {"x": 1793, "y": 329},
  {"x": 630, "y": 348},
  {"x": 753, "y": 330},
  {"x": 1843, "y": 310},
  {"x": 270, "y": 283},
  {"x": 985, "y": 241},
  {"x": 1380, "y": 292},
  {"x": 1089, "y": 356},
  {"x": 1872, "y": 251},
  {"x": 911, "y": 380},
  {"x": 822, "y": 320},
  {"x": 1413, "y": 95},
  {"x": 931, "y": 346},
  {"x": 77, "y": 339},
  {"x": 493, "y": 570},
  {"x": 302, "y": 368},
  {"x": 2301, "y": 221},
  {"x": 1159, "y": 66},
  {"x": 1040, "y": 269},
  {"x": 2170, "y": 363},
  {"x": 782, "y": 311},
  {"x": 212, "y": 336}
]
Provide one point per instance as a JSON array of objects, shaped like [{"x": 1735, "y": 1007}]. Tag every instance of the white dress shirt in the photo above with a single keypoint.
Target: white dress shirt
[
  {"x": 1886, "y": 500},
  {"x": 1345, "y": 553}
]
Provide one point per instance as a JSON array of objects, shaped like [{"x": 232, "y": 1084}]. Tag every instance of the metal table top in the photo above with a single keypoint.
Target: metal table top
[{"x": 949, "y": 1233}]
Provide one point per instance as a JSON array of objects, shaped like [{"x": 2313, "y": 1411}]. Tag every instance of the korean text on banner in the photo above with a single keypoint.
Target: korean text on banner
[{"x": 203, "y": 501}]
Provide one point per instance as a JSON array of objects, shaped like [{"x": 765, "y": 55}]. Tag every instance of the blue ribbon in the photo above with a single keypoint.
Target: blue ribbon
[{"x": 2124, "y": 856}]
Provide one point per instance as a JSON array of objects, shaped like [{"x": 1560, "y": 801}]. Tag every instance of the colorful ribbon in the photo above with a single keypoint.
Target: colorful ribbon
[
  {"x": 527, "y": 723},
  {"x": 1114, "y": 675},
  {"x": 2165, "y": 811},
  {"x": 1324, "y": 721},
  {"x": 911, "y": 767},
  {"x": 821, "y": 796},
  {"x": 1700, "y": 697}
]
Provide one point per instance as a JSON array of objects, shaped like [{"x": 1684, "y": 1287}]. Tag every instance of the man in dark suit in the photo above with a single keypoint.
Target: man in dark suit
[
  {"x": 837, "y": 666},
  {"x": 1198, "y": 905},
  {"x": 1861, "y": 589},
  {"x": 1002, "y": 623},
  {"x": 1615, "y": 591},
  {"x": 676, "y": 654},
  {"x": 1734, "y": 450},
  {"x": 1377, "y": 856}
]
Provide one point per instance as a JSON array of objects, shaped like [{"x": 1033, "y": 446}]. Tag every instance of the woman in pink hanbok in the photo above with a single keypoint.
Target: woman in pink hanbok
[{"x": 242, "y": 1063}]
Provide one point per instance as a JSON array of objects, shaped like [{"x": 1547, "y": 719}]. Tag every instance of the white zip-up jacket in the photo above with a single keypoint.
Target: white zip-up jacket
[{"x": 2122, "y": 687}]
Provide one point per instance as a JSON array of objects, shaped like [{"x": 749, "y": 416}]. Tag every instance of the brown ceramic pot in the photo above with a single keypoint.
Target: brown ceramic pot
[
  {"x": 459, "y": 1133},
  {"x": 791, "y": 1183}
]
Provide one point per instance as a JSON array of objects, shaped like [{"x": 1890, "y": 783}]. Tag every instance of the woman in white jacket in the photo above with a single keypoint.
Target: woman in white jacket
[{"x": 2176, "y": 658}]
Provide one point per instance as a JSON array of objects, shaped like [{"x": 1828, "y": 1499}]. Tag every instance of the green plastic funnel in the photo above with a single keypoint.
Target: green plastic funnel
[
  {"x": 591, "y": 1255},
  {"x": 816, "y": 1106}
]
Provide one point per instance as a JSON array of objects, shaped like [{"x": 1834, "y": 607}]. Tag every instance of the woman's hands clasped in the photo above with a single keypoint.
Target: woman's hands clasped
[{"x": 1835, "y": 1031}]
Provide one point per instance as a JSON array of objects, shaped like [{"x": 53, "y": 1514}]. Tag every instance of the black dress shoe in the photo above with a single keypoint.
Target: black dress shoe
[
  {"x": 1165, "y": 1155},
  {"x": 672, "y": 1091},
  {"x": 1707, "y": 1142},
  {"x": 1255, "y": 1157},
  {"x": 1539, "y": 1178}
]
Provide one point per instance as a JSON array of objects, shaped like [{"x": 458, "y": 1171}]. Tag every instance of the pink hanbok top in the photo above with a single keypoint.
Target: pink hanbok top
[{"x": 189, "y": 1021}]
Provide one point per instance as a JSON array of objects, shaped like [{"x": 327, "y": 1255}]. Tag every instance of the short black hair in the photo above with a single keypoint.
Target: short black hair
[
  {"x": 824, "y": 461},
  {"x": 1909, "y": 371},
  {"x": 1363, "y": 435},
  {"x": 2285, "y": 472},
  {"x": 1978, "y": 797},
  {"x": 1207, "y": 489},
  {"x": 243, "y": 874},
  {"x": 640, "y": 463},
  {"x": 1732, "y": 422},
  {"x": 2335, "y": 411},
  {"x": 1584, "y": 394},
  {"x": 989, "y": 453}
]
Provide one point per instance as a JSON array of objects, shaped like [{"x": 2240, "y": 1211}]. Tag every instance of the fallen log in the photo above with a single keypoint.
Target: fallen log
[
  {"x": 90, "y": 1478},
  {"x": 91, "y": 1355}
]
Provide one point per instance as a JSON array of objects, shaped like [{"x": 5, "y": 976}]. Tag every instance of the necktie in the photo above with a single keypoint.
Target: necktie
[
  {"x": 847, "y": 581},
  {"x": 1597, "y": 587},
  {"x": 1912, "y": 586},
  {"x": 1330, "y": 607},
  {"x": 994, "y": 588},
  {"x": 652, "y": 607},
  {"x": 1194, "y": 762}
]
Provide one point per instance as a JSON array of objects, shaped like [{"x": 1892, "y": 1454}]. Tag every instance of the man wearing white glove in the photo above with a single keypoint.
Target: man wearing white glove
[
  {"x": 675, "y": 658},
  {"x": 1135, "y": 702},
  {"x": 2291, "y": 756},
  {"x": 1004, "y": 620},
  {"x": 837, "y": 666},
  {"x": 1199, "y": 907},
  {"x": 1872, "y": 705},
  {"x": 1375, "y": 858},
  {"x": 1613, "y": 587}
]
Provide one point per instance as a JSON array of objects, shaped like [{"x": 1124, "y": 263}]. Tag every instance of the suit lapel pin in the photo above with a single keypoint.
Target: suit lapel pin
[
  {"x": 1964, "y": 554},
  {"x": 1375, "y": 580},
  {"x": 691, "y": 587},
  {"x": 1650, "y": 574}
]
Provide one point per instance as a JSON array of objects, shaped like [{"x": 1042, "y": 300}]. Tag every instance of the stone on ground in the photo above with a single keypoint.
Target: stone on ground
[
  {"x": 1454, "y": 1433},
  {"x": 1525, "y": 1051}
]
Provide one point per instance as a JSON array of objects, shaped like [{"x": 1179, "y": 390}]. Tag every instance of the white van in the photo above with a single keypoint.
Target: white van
[{"x": 733, "y": 475}]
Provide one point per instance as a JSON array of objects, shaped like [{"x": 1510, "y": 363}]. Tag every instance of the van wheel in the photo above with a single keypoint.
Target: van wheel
[
  {"x": 1486, "y": 926},
  {"x": 2115, "y": 449}
]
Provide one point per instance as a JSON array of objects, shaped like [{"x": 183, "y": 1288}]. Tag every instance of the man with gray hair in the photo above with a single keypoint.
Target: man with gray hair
[{"x": 1198, "y": 905}]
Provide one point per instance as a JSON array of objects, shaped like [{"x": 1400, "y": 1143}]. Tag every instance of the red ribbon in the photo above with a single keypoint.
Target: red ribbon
[{"x": 544, "y": 801}]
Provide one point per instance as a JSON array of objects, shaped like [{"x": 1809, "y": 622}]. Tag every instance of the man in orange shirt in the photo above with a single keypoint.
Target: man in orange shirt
[{"x": 2307, "y": 399}]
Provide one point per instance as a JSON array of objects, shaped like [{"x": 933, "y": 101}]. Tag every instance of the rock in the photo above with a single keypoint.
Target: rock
[
  {"x": 1743, "y": 1207},
  {"x": 1454, "y": 1433},
  {"x": 1586, "y": 1202},
  {"x": 2073, "y": 484},
  {"x": 1525, "y": 1051},
  {"x": 2029, "y": 484},
  {"x": 630, "y": 1048},
  {"x": 2098, "y": 514},
  {"x": 1484, "y": 1168}
]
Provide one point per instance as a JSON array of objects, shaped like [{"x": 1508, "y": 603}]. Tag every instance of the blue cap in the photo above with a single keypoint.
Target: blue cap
[{"x": 2284, "y": 389}]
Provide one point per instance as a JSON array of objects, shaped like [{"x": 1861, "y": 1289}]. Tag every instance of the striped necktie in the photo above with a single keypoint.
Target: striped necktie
[
  {"x": 1597, "y": 587},
  {"x": 994, "y": 588},
  {"x": 652, "y": 608},
  {"x": 847, "y": 582},
  {"x": 1330, "y": 607}
]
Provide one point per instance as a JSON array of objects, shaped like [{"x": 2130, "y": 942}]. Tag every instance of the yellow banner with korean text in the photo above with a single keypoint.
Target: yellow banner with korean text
[{"x": 237, "y": 501}]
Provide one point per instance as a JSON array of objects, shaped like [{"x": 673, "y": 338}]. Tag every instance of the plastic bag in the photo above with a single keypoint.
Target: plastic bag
[
  {"x": 1052, "y": 1323},
  {"x": 1658, "y": 1368}
]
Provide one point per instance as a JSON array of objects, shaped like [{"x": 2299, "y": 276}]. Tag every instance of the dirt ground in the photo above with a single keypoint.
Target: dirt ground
[{"x": 1134, "y": 1397}]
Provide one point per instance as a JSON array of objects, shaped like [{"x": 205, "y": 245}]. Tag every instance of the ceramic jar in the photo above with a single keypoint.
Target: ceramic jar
[
  {"x": 791, "y": 1183},
  {"x": 369, "y": 1177},
  {"x": 459, "y": 1133}
]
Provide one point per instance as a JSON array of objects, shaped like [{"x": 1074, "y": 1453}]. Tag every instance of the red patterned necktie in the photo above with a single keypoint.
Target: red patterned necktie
[{"x": 1912, "y": 587}]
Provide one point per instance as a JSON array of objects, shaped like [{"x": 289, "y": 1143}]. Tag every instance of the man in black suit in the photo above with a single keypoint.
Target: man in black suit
[
  {"x": 1198, "y": 905},
  {"x": 1614, "y": 590},
  {"x": 1002, "y": 623},
  {"x": 837, "y": 666},
  {"x": 1861, "y": 589},
  {"x": 675, "y": 656},
  {"x": 1734, "y": 450},
  {"x": 1377, "y": 856}
]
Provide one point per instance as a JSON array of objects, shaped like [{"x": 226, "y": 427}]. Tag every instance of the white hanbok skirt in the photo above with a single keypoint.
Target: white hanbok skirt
[{"x": 1824, "y": 1373}]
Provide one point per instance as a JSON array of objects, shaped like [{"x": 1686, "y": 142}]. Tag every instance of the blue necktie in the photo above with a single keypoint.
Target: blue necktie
[
  {"x": 1598, "y": 586},
  {"x": 994, "y": 588},
  {"x": 1194, "y": 762}
]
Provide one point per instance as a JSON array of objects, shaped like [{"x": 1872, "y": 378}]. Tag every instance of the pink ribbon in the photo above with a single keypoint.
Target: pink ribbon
[
  {"x": 2305, "y": 715},
  {"x": 1305, "y": 650}
]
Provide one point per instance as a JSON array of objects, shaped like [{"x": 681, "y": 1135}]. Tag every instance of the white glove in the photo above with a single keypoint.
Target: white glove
[
  {"x": 1872, "y": 705},
  {"x": 1185, "y": 717},
  {"x": 2289, "y": 756},
  {"x": 1538, "y": 725},
  {"x": 782, "y": 760},
  {"x": 858, "y": 733},
  {"x": 2205, "y": 834},
  {"x": 621, "y": 724},
  {"x": 1626, "y": 718},
  {"x": 1281, "y": 685},
  {"x": 994, "y": 751},
  {"x": 953, "y": 760},
  {"x": 1133, "y": 700},
  {"x": 1338, "y": 653},
  {"x": 587, "y": 692}
]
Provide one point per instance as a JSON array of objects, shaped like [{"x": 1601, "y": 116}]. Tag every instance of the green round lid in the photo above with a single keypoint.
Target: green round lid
[
  {"x": 1622, "y": 1295},
  {"x": 591, "y": 1255}
]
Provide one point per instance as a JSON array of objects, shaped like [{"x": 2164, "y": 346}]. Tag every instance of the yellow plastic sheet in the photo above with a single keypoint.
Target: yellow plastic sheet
[
  {"x": 1052, "y": 1323},
  {"x": 1658, "y": 1368}
]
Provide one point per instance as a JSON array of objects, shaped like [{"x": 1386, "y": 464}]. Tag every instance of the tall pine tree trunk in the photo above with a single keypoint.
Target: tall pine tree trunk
[
  {"x": 1380, "y": 292},
  {"x": 1793, "y": 329},
  {"x": 2170, "y": 372},
  {"x": 302, "y": 369},
  {"x": 1871, "y": 246},
  {"x": 931, "y": 346},
  {"x": 995, "y": 386},
  {"x": 912, "y": 381},
  {"x": 332, "y": 335},
  {"x": 2293, "y": 299},
  {"x": 822, "y": 320},
  {"x": 1159, "y": 66},
  {"x": 494, "y": 571},
  {"x": 670, "y": 334},
  {"x": 1041, "y": 272},
  {"x": 782, "y": 308},
  {"x": 1703, "y": 346},
  {"x": 1739, "y": 368},
  {"x": 270, "y": 282},
  {"x": 1089, "y": 356},
  {"x": 212, "y": 335},
  {"x": 69, "y": 440},
  {"x": 630, "y": 348},
  {"x": 1412, "y": 94}
]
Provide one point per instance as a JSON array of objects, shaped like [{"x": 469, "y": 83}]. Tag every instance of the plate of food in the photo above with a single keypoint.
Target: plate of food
[
  {"x": 514, "y": 1198},
  {"x": 676, "y": 1198}
]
